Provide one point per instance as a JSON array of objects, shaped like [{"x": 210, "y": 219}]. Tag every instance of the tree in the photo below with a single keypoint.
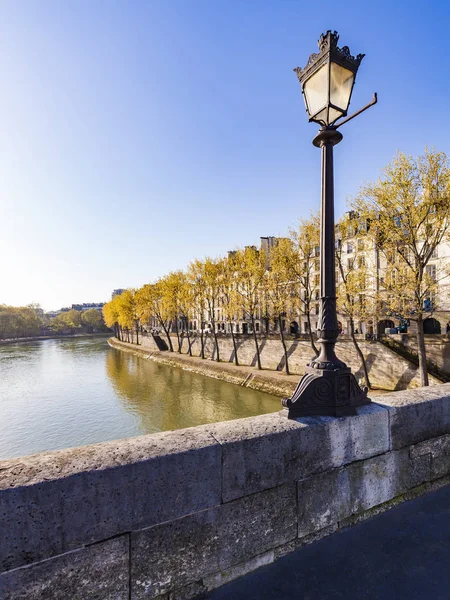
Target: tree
[
  {"x": 92, "y": 318},
  {"x": 185, "y": 305},
  {"x": 303, "y": 264},
  {"x": 128, "y": 316},
  {"x": 251, "y": 270},
  {"x": 211, "y": 274},
  {"x": 227, "y": 279},
  {"x": 196, "y": 278},
  {"x": 150, "y": 303},
  {"x": 110, "y": 313},
  {"x": 72, "y": 318},
  {"x": 408, "y": 209},
  {"x": 19, "y": 321},
  {"x": 280, "y": 288},
  {"x": 356, "y": 294},
  {"x": 67, "y": 320},
  {"x": 171, "y": 291}
]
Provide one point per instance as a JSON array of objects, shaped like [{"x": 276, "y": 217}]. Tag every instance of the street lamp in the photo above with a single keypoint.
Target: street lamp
[{"x": 328, "y": 386}]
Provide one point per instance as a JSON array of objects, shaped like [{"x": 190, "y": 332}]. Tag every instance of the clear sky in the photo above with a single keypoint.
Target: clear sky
[{"x": 136, "y": 136}]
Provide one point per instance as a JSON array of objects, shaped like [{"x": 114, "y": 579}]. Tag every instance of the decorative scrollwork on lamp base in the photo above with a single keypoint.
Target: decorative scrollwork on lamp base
[{"x": 324, "y": 392}]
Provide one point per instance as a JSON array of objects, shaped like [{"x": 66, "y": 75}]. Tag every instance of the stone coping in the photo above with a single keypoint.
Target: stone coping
[{"x": 414, "y": 415}]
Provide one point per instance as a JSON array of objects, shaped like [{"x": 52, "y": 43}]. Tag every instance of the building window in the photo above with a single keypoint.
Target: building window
[
  {"x": 349, "y": 247},
  {"x": 257, "y": 327},
  {"x": 317, "y": 251},
  {"x": 350, "y": 264},
  {"x": 317, "y": 309},
  {"x": 434, "y": 253},
  {"x": 431, "y": 271}
]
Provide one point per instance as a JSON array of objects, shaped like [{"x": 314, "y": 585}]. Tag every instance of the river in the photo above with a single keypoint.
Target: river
[{"x": 70, "y": 392}]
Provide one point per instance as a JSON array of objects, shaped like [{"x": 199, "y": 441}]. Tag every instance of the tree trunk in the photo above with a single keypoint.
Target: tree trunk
[
  {"x": 422, "y": 352},
  {"x": 166, "y": 331},
  {"x": 256, "y": 343},
  {"x": 178, "y": 336},
  {"x": 215, "y": 340},
  {"x": 189, "y": 341},
  {"x": 283, "y": 341},
  {"x": 137, "y": 333},
  {"x": 311, "y": 337},
  {"x": 360, "y": 354},
  {"x": 202, "y": 342},
  {"x": 236, "y": 362}
]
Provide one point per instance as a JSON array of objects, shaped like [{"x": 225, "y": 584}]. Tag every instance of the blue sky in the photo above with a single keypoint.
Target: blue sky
[{"x": 136, "y": 136}]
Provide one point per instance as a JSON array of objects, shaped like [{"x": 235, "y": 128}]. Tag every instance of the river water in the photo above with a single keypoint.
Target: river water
[{"x": 71, "y": 392}]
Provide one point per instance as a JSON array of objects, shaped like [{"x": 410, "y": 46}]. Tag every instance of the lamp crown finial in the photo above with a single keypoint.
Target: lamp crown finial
[
  {"x": 329, "y": 39},
  {"x": 328, "y": 45}
]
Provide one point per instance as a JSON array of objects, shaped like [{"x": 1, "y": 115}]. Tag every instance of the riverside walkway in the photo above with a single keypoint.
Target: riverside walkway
[{"x": 402, "y": 554}]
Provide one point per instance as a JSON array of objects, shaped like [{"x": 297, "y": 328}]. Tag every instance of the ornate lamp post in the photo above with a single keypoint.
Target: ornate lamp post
[{"x": 328, "y": 386}]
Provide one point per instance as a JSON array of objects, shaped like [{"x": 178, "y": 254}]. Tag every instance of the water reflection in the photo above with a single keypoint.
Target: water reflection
[
  {"x": 63, "y": 393},
  {"x": 169, "y": 398}
]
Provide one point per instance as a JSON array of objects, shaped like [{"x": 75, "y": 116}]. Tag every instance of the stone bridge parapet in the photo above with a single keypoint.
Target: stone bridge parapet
[{"x": 173, "y": 515}]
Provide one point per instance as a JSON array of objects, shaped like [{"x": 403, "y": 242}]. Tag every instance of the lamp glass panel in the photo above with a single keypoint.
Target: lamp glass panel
[
  {"x": 322, "y": 116},
  {"x": 333, "y": 115},
  {"x": 341, "y": 83},
  {"x": 316, "y": 90}
]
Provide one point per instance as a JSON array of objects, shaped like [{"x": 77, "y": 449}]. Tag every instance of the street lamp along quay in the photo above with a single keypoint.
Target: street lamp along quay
[{"x": 328, "y": 386}]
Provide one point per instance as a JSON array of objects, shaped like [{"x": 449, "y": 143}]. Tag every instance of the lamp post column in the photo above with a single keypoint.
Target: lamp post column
[
  {"x": 328, "y": 386},
  {"x": 327, "y": 327}
]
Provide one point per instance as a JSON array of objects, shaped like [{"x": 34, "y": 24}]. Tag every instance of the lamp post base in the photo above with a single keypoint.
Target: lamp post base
[{"x": 326, "y": 392}]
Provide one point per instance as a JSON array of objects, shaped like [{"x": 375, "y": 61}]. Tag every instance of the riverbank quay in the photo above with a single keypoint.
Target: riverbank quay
[
  {"x": 276, "y": 383},
  {"x": 174, "y": 515},
  {"x": 39, "y": 338}
]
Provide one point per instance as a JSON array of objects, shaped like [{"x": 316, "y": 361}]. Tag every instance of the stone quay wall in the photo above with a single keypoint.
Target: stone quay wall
[
  {"x": 437, "y": 347},
  {"x": 387, "y": 369},
  {"x": 173, "y": 515}
]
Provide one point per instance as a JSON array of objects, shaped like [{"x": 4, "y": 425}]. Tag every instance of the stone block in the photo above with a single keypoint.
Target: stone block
[
  {"x": 329, "y": 498},
  {"x": 270, "y": 450},
  {"x": 193, "y": 591},
  {"x": 180, "y": 552},
  {"x": 263, "y": 452},
  {"x": 418, "y": 415},
  {"x": 323, "y": 500},
  {"x": 438, "y": 452},
  {"x": 97, "y": 572},
  {"x": 77, "y": 498},
  {"x": 377, "y": 480},
  {"x": 361, "y": 436},
  {"x": 214, "y": 581}
]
